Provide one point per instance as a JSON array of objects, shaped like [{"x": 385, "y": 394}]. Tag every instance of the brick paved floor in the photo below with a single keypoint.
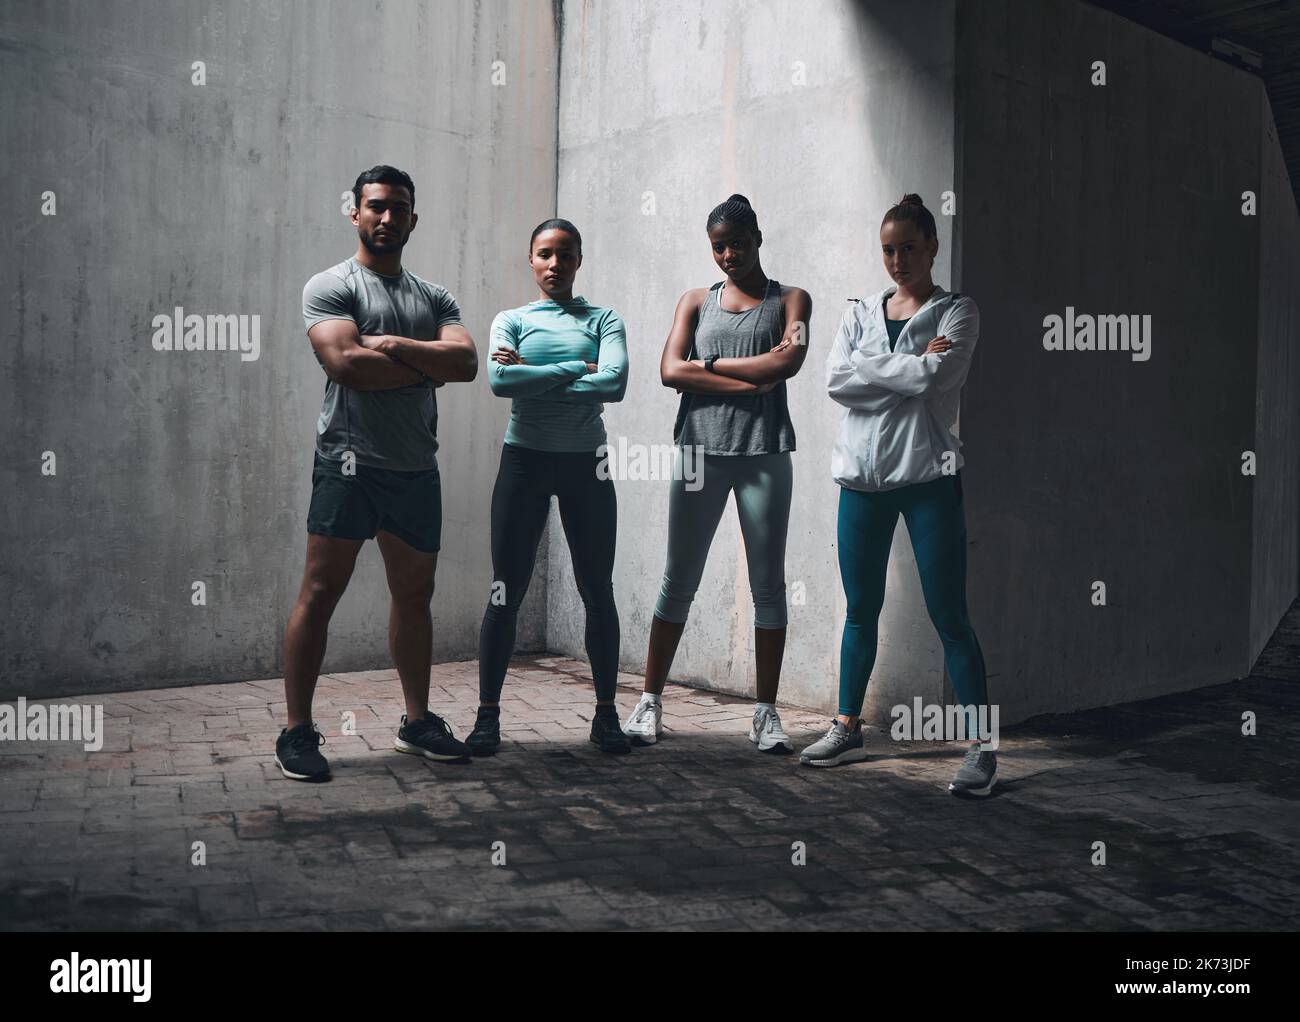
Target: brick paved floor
[{"x": 1198, "y": 821}]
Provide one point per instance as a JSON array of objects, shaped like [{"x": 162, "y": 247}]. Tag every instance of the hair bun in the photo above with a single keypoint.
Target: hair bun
[
  {"x": 734, "y": 210},
  {"x": 911, "y": 199}
]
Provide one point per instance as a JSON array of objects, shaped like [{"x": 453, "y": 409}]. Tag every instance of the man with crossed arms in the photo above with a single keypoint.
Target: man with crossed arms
[{"x": 386, "y": 339}]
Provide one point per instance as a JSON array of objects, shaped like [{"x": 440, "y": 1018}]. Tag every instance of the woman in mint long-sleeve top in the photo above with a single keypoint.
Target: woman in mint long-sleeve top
[{"x": 558, "y": 359}]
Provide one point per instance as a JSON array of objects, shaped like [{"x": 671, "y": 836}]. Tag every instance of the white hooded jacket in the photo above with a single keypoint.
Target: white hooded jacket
[{"x": 902, "y": 404}]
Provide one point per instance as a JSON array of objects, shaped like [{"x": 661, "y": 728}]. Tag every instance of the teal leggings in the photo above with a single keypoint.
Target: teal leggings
[
  {"x": 935, "y": 513},
  {"x": 762, "y": 484}
]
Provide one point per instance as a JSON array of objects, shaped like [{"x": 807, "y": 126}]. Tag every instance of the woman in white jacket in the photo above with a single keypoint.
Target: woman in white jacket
[{"x": 897, "y": 364}]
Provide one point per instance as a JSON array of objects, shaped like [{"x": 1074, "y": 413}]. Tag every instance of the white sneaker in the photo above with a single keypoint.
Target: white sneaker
[
  {"x": 766, "y": 731},
  {"x": 646, "y": 723}
]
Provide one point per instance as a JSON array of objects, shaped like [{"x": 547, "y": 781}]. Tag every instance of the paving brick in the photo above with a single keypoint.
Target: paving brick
[{"x": 692, "y": 834}]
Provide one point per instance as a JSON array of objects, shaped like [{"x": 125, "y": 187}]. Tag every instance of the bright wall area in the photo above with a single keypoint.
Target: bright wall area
[{"x": 224, "y": 198}]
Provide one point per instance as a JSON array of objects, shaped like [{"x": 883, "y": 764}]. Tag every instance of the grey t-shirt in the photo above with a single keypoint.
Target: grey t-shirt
[{"x": 394, "y": 429}]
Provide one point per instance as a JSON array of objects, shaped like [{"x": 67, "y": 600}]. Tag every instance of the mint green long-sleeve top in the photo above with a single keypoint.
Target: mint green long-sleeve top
[{"x": 556, "y": 404}]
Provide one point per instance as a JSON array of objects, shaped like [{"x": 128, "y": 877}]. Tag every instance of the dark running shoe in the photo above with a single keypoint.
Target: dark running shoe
[
  {"x": 608, "y": 733},
  {"x": 430, "y": 738},
  {"x": 485, "y": 739},
  {"x": 296, "y": 754}
]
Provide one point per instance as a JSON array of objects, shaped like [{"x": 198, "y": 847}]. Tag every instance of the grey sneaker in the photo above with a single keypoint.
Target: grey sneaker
[
  {"x": 978, "y": 773},
  {"x": 840, "y": 745}
]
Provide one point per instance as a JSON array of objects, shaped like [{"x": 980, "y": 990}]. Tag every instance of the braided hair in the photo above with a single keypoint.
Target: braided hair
[
  {"x": 736, "y": 210},
  {"x": 911, "y": 209}
]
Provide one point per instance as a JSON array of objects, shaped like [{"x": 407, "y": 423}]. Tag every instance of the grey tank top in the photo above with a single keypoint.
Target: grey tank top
[{"x": 737, "y": 423}]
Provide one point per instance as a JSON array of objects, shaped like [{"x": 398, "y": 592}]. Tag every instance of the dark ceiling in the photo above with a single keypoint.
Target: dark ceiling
[{"x": 1271, "y": 28}]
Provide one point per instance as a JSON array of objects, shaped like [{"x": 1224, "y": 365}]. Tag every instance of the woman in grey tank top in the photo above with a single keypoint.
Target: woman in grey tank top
[{"x": 731, "y": 348}]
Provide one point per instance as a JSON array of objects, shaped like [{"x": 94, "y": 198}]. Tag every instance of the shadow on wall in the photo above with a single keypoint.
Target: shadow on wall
[
  {"x": 1110, "y": 519},
  {"x": 922, "y": 70}
]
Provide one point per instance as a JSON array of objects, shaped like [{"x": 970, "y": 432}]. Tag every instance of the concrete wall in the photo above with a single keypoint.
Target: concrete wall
[
  {"x": 691, "y": 101},
  {"x": 225, "y": 198},
  {"x": 1086, "y": 465},
  {"x": 1276, "y": 548}
]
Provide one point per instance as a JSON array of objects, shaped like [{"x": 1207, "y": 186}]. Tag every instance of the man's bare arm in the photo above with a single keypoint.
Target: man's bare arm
[
  {"x": 450, "y": 358},
  {"x": 349, "y": 363}
]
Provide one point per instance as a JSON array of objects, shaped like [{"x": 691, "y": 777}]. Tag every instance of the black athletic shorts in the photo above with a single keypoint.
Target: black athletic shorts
[{"x": 407, "y": 504}]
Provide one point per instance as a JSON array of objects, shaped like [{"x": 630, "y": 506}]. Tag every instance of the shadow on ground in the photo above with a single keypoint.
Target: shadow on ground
[{"x": 1155, "y": 815}]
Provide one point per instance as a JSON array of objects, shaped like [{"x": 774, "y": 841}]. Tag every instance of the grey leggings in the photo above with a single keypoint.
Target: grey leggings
[{"x": 763, "y": 484}]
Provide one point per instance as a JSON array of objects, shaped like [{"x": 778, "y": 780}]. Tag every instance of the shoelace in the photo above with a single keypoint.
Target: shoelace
[
  {"x": 973, "y": 756},
  {"x": 306, "y": 741},
  {"x": 773, "y": 722},
  {"x": 643, "y": 711},
  {"x": 432, "y": 723}
]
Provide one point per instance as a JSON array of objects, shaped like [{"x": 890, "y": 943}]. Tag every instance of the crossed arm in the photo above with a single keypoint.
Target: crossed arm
[
  {"x": 878, "y": 382},
  {"x": 386, "y": 362},
  {"x": 573, "y": 380},
  {"x": 755, "y": 374},
  {"x": 607, "y": 380},
  {"x": 786, "y": 358}
]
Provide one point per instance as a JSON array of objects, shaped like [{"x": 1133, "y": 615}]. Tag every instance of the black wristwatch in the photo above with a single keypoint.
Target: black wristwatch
[{"x": 708, "y": 363}]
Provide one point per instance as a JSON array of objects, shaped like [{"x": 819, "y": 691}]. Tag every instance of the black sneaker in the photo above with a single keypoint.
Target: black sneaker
[
  {"x": 485, "y": 739},
  {"x": 296, "y": 755},
  {"x": 608, "y": 733},
  {"x": 430, "y": 738}
]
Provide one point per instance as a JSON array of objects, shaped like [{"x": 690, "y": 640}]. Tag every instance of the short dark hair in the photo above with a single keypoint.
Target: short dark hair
[
  {"x": 736, "y": 210},
  {"x": 910, "y": 209},
  {"x": 383, "y": 174},
  {"x": 555, "y": 224}
]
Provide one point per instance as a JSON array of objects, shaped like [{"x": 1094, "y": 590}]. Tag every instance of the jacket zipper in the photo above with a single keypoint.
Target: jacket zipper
[
  {"x": 872, "y": 479},
  {"x": 871, "y": 436},
  {"x": 871, "y": 455}
]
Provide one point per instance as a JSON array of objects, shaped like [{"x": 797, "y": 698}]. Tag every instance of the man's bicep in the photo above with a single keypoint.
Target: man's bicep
[
  {"x": 454, "y": 332},
  {"x": 331, "y": 337}
]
